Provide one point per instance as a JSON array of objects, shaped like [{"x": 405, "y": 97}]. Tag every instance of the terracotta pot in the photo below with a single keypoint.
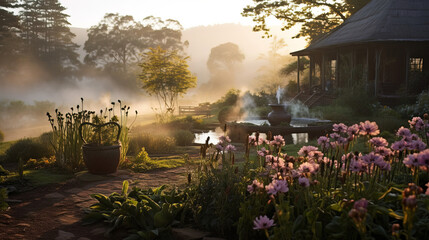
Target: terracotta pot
[
  {"x": 101, "y": 159},
  {"x": 280, "y": 114}
]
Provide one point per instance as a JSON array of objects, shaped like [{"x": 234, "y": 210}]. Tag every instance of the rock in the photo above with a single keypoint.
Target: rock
[
  {"x": 188, "y": 234},
  {"x": 98, "y": 231},
  {"x": 68, "y": 219},
  {"x": 5, "y": 216},
  {"x": 73, "y": 190},
  {"x": 54, "y": 195},
  {"x": 24, "y": 225},
  {"x": 62, "y": 235}
]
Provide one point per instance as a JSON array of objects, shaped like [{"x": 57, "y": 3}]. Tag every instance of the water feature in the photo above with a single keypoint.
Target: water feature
[{"x": 279, "y": 121}]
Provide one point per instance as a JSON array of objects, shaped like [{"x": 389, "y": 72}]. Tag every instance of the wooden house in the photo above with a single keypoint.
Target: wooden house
[{"x": 383, "y": 48}]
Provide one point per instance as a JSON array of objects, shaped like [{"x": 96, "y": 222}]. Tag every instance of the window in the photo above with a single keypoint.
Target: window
[{"x": 416, "y": 64}]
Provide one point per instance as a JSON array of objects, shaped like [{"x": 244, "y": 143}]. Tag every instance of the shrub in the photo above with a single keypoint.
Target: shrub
[
  {"x": 224, "y": 114},
  {"x": 184, "y": 137},
  {"x": 26, "y": 149},
  {"x": 142, "y": 162},
  {"x": 152, "y": 143},
  {"x": 1, "y": 136},
  {"x": 358, "y": 100},
  {"x": 40, "y": 163}
]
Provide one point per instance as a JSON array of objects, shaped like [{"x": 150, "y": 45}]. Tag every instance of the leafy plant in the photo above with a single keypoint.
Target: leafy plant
[
  {"x": 147, "y": 214},
  {"x": 26, "y": 149},
  {"x": 1, "y": 136},
  {"x": 184, "y": 137}
]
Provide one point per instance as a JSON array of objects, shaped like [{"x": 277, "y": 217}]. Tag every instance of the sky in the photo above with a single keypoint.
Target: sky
[{"x": 190, "y": 13}]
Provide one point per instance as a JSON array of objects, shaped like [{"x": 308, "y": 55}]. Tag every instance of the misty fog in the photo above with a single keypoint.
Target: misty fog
[{"x": 30, "y": 85}]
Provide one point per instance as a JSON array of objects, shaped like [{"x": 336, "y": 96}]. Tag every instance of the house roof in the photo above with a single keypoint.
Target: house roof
[{"x": 379, "y": 21}]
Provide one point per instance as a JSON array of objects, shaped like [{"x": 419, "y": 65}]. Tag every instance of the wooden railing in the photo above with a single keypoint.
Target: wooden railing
[{"x": 194, "y": 110}]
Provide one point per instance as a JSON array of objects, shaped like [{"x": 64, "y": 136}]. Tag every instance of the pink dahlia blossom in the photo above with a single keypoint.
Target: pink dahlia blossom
[
  {"x": 416, "y": 123},
  {"x": 403, "y": 132},
  {"x": 423, "y": 158},
  {"x": 411, "y": 160},
  {"x": 278, "y": 141}
]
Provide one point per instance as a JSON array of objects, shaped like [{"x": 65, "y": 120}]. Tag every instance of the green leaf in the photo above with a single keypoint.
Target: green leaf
[
  {"x": 298, "y": 223},
  {"x": 125, "y": 185},
  {"x": 396, "y": 215}
]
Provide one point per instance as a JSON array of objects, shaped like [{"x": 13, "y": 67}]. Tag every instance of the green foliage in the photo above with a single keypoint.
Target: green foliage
[
  {"x": 40, "y": 163},
  {"x": 25, "y": 149},
  {"x": 418, "y": 109},
  {"x": 147, "y": 214},
  {"x": 1, "y": 136},
  {"x": 315, "y": 17},
  {"x": 153, "y": 143},
  {"x": 3, "y": 196},
  {"x": 165, "y": 74},
  {"x": 47, "y": 37},
  {"x": 183, "y": 137},
  {"x": 229, "y": 99},
  {"x": 358, "y": 100}
]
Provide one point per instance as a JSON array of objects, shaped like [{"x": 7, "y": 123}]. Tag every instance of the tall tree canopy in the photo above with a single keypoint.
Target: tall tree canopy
[
  {"x": 117, "y": 42},
  {"x": 165, "y": 74},
  {"x": 9, "y": 29},
  {"x": 315, "y": 17},
  {"x": 47, "y": 36}
]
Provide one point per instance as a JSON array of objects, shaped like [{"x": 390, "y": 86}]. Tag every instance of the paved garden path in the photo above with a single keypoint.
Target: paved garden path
[{"x": 55, "y": 211}]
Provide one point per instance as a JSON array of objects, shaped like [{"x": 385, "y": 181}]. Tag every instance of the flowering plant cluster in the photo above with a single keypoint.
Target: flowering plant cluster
[{"x": 333, "y": 179}]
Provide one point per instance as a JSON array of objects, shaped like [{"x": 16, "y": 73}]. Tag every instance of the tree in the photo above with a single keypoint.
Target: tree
[
  {"x": 117, "y": 42},
  {"x": 47, "y": 36},
  {"x": 223, "y": 63},
  {"x": 316, "y": 17},
  {"x": 269, "y": 78},
  {"x": 9, "y": 39},
  {"x": 165, "y": 74}
]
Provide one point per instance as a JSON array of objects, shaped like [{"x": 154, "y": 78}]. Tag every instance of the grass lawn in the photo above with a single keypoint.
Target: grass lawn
[{"x": 40, "y": 177}]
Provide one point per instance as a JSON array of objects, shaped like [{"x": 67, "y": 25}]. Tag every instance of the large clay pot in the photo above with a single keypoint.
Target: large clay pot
[
  {"x": 101, "y": 159},
  {"x": 279, "y": 115}
]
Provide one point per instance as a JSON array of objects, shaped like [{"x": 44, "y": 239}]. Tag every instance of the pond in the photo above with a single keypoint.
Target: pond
[{"x": 297, "y": 138}]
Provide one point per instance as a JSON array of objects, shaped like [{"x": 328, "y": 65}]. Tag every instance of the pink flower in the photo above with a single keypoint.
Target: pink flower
[
  {"x": 427, "y": 189},
  {"x": 323, "y": 142},
  {"x": 368, "y": 128},
  {"x": 230, "y": 148},
  {"x": 399, "y": 145},
  {"x": 417, "y": 123},
  {"x": 403, "y": 132},
  {"x": 303, "y": 181},
  {"x": 379, "y": 142},
  {"x": 383, "y": 151},
  {"x": 353, "y": 130},
  {"x": 411, "y": 160},
  {"x": 263, "y": 152},
  {"x": 277, "y": 186},
  {"x": 255, "y": 186},
  {"x": 252, "y": 141},
  {"x": 278, "y": 141},
  {"x": 305, "y": 150},
  {"x": 263, "y": 222},
  {"x": 335, "y": 136},
  {"x": 423, "y": 158},
  {"x": 341, "y": 128},
  {"x": 356, "y": 165},
  {"x": 372, "y": 158},
  {"x": 308, "y": 168},
  {"x": 416, "y": 145},
  {"x": 224, "y": 139},
  {"x": 316, "y": 155},
  {"x": 219, "y": 147},
  {"x": 361, "y": 204}
]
